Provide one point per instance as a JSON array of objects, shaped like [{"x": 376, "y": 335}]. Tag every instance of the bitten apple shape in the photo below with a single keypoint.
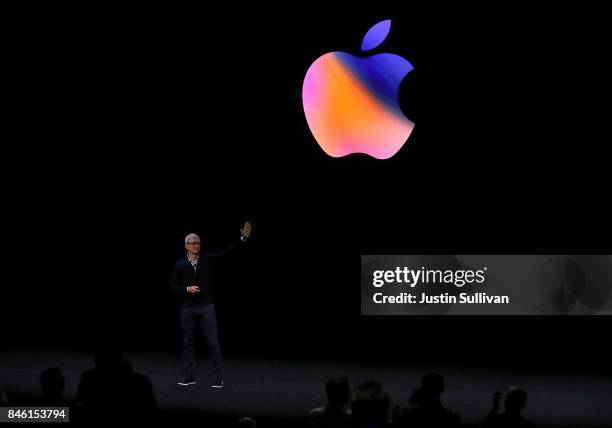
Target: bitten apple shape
[{"x": 351, "y": 103}]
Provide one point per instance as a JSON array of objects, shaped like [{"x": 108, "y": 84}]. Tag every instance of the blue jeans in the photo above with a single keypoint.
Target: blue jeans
[{"x": 207, "y": 317}]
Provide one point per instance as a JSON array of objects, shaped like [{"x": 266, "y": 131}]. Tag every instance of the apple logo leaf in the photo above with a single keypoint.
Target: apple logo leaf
[{"x": 376, "y": 35}]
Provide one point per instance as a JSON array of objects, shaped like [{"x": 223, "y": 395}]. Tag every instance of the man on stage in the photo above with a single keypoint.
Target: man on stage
[{"x": 192, "y": 280}]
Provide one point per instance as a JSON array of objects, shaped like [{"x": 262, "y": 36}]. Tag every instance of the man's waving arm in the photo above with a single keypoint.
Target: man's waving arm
[{"x": 245, "y": 232}]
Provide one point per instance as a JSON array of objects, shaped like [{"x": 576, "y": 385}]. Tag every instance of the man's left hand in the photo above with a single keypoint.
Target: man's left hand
[{"x": 245, "y": 232}]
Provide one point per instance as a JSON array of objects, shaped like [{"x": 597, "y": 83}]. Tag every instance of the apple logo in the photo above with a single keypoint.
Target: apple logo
[{"x": 351, "y": 103}]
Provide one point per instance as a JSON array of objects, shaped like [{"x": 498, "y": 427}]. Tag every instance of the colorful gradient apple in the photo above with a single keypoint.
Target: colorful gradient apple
[{"x": 351, "y": 103}]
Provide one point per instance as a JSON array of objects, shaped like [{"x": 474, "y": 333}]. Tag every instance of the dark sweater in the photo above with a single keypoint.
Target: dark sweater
[{"x": 184, "y": 275}]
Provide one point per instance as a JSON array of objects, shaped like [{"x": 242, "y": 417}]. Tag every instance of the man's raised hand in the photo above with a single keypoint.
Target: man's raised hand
[{"x": 245, "y": 232}]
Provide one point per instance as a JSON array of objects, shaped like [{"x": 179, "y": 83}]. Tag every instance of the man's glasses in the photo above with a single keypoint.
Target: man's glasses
[{"x": 193, "y": 243}]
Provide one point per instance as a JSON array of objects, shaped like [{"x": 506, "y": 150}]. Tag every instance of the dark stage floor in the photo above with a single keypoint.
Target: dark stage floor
[{"x": 278, "y": 392}]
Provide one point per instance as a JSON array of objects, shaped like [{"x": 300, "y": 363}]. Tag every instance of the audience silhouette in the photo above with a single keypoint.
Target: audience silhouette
[
  {"x": 113, "y": 388},
  {"x": 370, "y": 405},
  {"x": 425, "y": 409},
  {"x": 247, "y": 422},
  {"x": 516, "y": 399},
  {"x": 336, "y": 412},
  {"x": 52, "y": 383}
]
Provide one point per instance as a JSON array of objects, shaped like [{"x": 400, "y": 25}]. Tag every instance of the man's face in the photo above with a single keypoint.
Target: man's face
[{"x": 193, "y": 246}]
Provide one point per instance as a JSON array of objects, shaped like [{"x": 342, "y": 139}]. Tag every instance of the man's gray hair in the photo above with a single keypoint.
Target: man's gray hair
[{"x": 190, "y": 237}]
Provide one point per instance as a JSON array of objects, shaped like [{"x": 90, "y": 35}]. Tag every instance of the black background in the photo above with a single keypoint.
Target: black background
[{"x": 135, "y": 127}]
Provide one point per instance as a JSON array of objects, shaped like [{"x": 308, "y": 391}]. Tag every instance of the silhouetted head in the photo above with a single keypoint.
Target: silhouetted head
[
  {"x": 247, "y": 422},
  {"x": 370, "y": 404},
  {"x": 432, "y": 386},
  {"x": 52, "y": 382},
  {"x": 337, "y": 390},
  {"x": 108, "y": 356},
  {"x": 516, "y": 399}
]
